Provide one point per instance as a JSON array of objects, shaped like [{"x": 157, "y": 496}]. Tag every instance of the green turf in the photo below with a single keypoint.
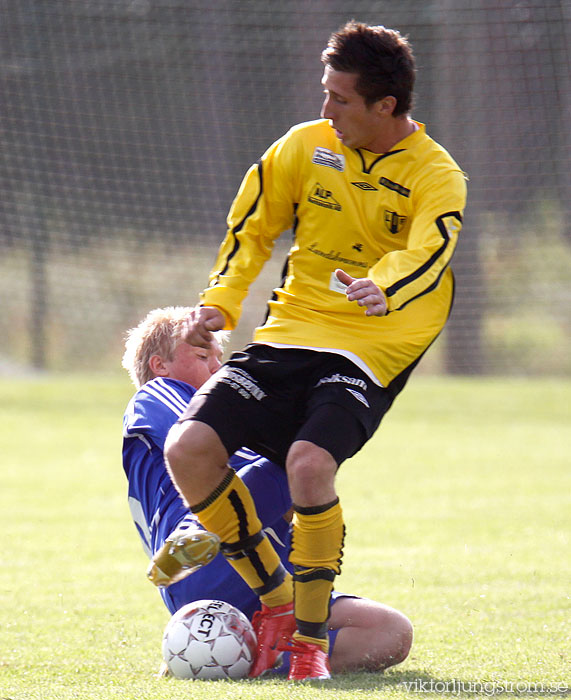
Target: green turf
[{"x": 458, "y": 513}]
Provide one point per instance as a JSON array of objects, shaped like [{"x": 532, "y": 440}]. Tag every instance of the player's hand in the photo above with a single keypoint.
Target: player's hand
[
  {"x": 202, "y": 321},
  {"x": 365, "y": 292}
]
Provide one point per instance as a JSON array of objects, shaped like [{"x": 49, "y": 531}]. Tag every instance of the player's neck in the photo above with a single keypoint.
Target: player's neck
[{"x": 397, "y": 130}]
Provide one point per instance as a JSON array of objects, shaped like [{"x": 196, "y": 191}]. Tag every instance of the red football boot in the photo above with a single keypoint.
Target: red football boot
[
  {"x": 272, "y": 626},
  {"x": 308, "y": 662}
]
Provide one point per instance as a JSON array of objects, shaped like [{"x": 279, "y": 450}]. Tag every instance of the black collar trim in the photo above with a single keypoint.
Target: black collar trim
[{"x": 366, "y": 170}]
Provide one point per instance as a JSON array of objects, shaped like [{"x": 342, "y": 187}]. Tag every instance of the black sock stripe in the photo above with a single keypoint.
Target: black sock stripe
[
  {"x": 314, "y": 510},
  {"x": 318, "y": 630},
  {"x": 222, "y": 486},
  {"x": 240, "y": 511},
  {"x": 247, "y": 548},
  {"x": 273, "y": 581},
  {"x": 246, "y": 544},
  {"x": 258, "y": 565},
  {"x": 341, "y": 548},
  {"x": 304, "y": 575},
  {"x": 244, "y": 536},
  {"x": 237, "y": 550}
]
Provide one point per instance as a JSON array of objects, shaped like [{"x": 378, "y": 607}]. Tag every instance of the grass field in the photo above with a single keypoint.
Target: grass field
[{"x": 458, "y": 513}]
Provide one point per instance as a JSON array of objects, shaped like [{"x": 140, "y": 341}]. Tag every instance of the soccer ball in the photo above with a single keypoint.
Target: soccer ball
[{"x": 209, "y": 640}]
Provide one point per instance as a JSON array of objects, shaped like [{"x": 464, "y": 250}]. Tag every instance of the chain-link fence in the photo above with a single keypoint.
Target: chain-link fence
[{"x": 127, "y": 125}]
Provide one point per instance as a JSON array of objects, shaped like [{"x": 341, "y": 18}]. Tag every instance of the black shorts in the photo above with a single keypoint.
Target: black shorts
[{"x": 266, "y": 398}]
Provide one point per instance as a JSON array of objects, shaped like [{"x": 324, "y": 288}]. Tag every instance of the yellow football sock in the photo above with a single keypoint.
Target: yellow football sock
[
  {"x": 231, "y": 514},
  {"x": 316, "y": 552},
  {"x": 322, "y": 642}
]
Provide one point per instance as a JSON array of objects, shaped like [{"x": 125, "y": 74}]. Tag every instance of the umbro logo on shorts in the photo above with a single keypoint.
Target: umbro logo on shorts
[{"x": 358, "y": 396}]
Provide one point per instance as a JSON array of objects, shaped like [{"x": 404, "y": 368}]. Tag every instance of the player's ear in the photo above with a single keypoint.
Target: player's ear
[
  {"x": 157, "y": 366},
  {"x": 386, "y": 105}
]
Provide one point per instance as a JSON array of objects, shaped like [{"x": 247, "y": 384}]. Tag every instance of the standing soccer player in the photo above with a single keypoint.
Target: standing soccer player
[{"x": 376, "y": 208}]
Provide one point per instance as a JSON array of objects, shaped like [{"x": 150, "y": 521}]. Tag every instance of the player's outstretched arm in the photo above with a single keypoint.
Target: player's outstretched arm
[
  {"x": 202, "y": 322},
  {"x": 365, "y": 292}
]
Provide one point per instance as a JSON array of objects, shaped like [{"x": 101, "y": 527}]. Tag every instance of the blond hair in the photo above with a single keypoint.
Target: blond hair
[{"x": 157, "y": 334}]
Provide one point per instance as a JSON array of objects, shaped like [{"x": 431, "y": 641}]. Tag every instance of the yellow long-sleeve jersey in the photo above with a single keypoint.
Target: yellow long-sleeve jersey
[{"x": 393, "y": 218}]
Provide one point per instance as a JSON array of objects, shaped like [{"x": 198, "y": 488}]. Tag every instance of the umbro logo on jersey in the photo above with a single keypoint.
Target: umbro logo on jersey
[
  {"x": 323, "y": 197},
  {"x": 365, "y": 186},
  {"x": 323, "y": 156},
  {"x": 394, "y": 222}
]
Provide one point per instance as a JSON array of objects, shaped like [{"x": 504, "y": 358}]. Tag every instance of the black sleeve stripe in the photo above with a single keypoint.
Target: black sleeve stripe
[
  {"x": 241, "y": 225},
  {"x": 394, "y": 288},
  {"x": 285, "y": 266},
  {"x": 425, "y": 291},
  {"x": 398, "y": 383}
]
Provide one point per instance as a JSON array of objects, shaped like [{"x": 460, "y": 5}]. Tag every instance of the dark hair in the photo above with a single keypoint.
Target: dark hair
[{"x": 382, "y": 58}]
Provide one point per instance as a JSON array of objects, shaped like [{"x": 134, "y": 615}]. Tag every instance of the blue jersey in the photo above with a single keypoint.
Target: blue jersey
[{"x": 157, "y": 507}]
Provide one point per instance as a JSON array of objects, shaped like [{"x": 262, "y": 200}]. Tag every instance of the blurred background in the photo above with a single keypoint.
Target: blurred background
[{"x": 126, "y": 127}]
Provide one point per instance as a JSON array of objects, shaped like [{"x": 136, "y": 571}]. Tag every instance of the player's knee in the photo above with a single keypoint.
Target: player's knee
[
  {"x": 371, "y": 637},
  {"x": 402, "y": 636},
  {"x": 176, "y": 448},
  {"x": 393, "y": 637},
  {"x": 188, "y": 447},
  {"x": 311, "y": 474}
]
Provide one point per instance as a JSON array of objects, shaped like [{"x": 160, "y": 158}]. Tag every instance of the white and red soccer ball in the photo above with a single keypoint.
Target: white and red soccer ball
[{"x": 209, "y": 640}]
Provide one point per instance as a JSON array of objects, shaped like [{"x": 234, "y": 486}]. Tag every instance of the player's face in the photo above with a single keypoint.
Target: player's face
[
  {"x": 356, "y": 125},
  {"x": 194, "y": 365}
]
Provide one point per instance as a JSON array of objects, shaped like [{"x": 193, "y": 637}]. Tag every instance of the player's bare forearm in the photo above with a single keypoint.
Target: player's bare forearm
[
  {"x": 365, "y": 292},
  {"x": 202, "y": 322}
]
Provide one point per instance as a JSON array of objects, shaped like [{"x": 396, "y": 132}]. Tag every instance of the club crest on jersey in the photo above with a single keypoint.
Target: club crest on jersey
[
  {"x": 394, "y": 222},
  {"x": 323, "y": 156},
  {"x": 323, "y": 197}
]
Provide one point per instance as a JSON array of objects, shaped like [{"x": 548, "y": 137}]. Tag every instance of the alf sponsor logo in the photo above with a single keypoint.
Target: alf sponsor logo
[{"x": 323, "y": 197}]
